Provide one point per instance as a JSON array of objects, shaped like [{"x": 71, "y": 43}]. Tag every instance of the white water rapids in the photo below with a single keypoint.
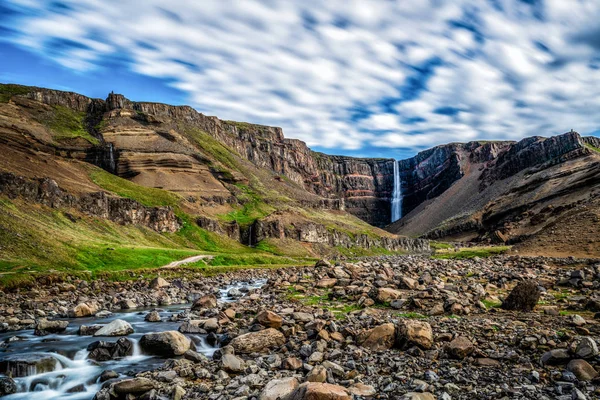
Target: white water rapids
[
  {"x": 397, "y": 194},
  {"x": 73, "y": 376}
]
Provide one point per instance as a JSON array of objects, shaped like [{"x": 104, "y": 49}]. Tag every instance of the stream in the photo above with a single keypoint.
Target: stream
[{"x": 70, "y": 374}]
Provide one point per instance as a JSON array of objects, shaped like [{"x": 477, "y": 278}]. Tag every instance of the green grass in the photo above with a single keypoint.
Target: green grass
[
  {"x": 592, "y": 147},
  {"x": 257, "y": 259},
  {"x": 440, "y": 245},
  {"x": 253, "y": 208},
  {"x": 147, "y": 196},
  {"x": 491, "y": 304},
  {"x": 9, "y": 90},
  {"x": 411, "y": 315},
  {"x": 66, "y": 123},
  {"x": 481, "y": 252},
  {"x": 212, "y": 147}
]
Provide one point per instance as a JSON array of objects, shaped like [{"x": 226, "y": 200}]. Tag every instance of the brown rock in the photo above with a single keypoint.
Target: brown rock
[
  {"x": 206, "y": 301},
  {"x": 582, "y": 370},
  {"x": 460, "y": 347},
  {"x": 269, "y": 319},
  {"x": 319, "y": 391},
  {"x": 292, "y": 363},
  {"x": 385, "y": 295},
  {"x": 379, "y": 338},
  {"x": 256, "y": 342},
  {"x": 278, "y": 389},
  {"x": 326, "y": 283},
  {"x": 317, "y": 374},
  {"x": 169, "y": 343},
  {"x": 410, "y": 332}
]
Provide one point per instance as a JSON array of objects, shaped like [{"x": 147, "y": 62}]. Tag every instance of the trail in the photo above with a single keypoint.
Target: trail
[{"x": 188, "y": 260}]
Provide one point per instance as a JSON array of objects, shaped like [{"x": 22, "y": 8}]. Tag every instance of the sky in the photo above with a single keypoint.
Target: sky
[{"x": 375, "y": 78}]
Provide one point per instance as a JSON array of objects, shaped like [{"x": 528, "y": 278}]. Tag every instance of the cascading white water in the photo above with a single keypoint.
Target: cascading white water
[{"x": 397, "y": 194}]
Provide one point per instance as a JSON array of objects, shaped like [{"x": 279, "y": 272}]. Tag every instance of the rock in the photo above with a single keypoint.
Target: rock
[
  {"x": 269, "y": 319},
  {"x": 292, "y": 363},
  {"x": 256, "y": 342},
  {"x": 193, "y": 326},
  {"x": 80, "y": 310},
  {"x": 381, "y": 337},
  {"x": 152, "y": 316},
  {"x": 108, "y": 375},
  {"x": 302, "y": 317},
  {"x": 555, "y": 357},
  {"x": 319, "y": 391},
  {"x": 323, "y": 263},
  {"x": 204, "y": 302},
  {"x": 235, "y": 293},
  {"x": 134, "y": 386},
  {"x": 409, "y": 283},
  {"x": 582, "y": 370},
  {"x": 362, "y": 390},
  {"x": 85, "y": 330},
  {"x": 158, "y": 283},
  {"x": 45, "y": 327},
  {"x": 385, "y": 295},
  {"x": 317, "y": 374},
  {"x": 278, "y": 389},
  {"x": 488, "y": 362},
  {"x": 577, "y": 320},
  {"x": 168, "y": 344},
  {"x": 105, "y": 351},
  {"x": 128, "y": 304},
  {"x": 460, "y": 347},
  {"x": 524, "y": 297},
  {"x": 417, "y": 396},
  {"x": 586, "y": 348},
  {"x": 410, "y": 332},
  {"x": 231, "y": 363},
  {"x": 21, "y": 365},
  {"x": 7, "y": 386},
  {"x": 326, "y": 283},
  {"x": 118, "y": 327}
]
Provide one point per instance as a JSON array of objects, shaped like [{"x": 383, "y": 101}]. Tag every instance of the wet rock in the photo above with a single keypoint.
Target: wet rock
[
  {"x": 411, "y": 333},
  {"x": 118, "y": 327},
  {"x": 105, "y": 351},
  {"x": 256, "y": 342},
  {"x": 88, "y": 330},
  {"x": 21, "y": 365},
  {"x": 168, "y": 344},
  {"x": 204, "y": 302},
  {"x": 45, "y": 327},
  {"x": 381, "y": 337},
  {"x": 152, "y": 316},
  {"x": 279, "y": 389},
  {"x": 107, "y": 375},
  {"x": 7, "y": 386},
  {"x": 582, "y": 370},
  {"x": 269, "y": 319},
  {"x": 523, "y": 297},
  {"x": 319, "y": 391},
  {"x": 460, "y": 347}
]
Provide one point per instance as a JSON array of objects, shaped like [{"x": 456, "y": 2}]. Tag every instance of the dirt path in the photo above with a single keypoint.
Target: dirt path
[{"x": 188, "y": 260}]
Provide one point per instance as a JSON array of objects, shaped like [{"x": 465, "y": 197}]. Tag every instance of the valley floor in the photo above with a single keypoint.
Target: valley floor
[{"x": 387, "y": 327}]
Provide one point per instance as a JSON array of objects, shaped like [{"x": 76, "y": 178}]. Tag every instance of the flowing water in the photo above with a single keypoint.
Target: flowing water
[
  {"x": 397, "y": 194},
  {"x": 71, "y": 370}
]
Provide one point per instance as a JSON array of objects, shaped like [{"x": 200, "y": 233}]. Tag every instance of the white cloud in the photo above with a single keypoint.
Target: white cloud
[{"x": 308, "y": 66}]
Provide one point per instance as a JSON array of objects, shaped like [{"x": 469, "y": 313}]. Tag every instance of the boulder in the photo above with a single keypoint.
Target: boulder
[
  {"x": 105, "y": 351},
  {"x": 269, "y": 319},
  {"x": 326, "y": 283},
  {"x": 88, "y": 330},
  {"x": 80, "y": 310},
  {"x": 133, "y": 386},
  {"x": 317, "y": 374},
  {"x": 460, "y": 347},
  {"x": 193, "y": 326},
  {"x": 582, "y": 370},
  {"x": 204, "y": 302},
  {"x": 555, "y": 357},
  {"x": 319, "y": 391},
  {"x": 7, "y": 386},
  {"x": 257, "y": 342},
  {"x": 586, "y": 348},
  {"x": 168, "y": 343},
  {"x": 362, "y": 390},
  {"x": 385, "y": 295},
  {"x": 381, "y": 337},
  {"x": 152, "y": 316},
  {"x": 21, "y": 365},
  {"x": 524, "y": 297},
  {"x": 118, "y": 327},
  {"x": 417, "y": 396},
  {"x": 158, "y": 283},
  {"x": 411, "y": 332},
  {"x": 278, "y": 389},
  {"x": 231, "y": 363},
  {"x": 45, "y": 327}
]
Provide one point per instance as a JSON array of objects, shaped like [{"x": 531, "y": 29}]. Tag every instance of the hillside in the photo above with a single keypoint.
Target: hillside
[
  {"x": 83, "y": 175},
  {"x": 540, "y": 193}
]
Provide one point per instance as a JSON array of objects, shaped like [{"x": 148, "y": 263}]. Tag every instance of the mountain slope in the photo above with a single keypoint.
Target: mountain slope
[{"x": 514, "y": 194}]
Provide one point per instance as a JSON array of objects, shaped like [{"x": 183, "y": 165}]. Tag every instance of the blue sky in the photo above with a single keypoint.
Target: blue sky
[{"x": 373, "y": 78}]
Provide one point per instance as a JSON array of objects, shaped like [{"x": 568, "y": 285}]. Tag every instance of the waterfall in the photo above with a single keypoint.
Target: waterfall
[
  {"x": 397, "y": 194},
  {"x": 111, "y": 158}
]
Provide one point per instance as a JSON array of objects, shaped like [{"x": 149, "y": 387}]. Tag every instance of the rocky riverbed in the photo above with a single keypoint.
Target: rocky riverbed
[{"x": 386, "y": 327}]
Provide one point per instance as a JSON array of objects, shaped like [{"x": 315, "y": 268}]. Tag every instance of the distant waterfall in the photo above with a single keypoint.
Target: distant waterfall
[{"x": 397, "y": 194}]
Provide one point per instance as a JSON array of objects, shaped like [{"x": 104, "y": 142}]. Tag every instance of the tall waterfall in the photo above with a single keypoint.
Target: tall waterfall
[{"x": 397, "y": 194}]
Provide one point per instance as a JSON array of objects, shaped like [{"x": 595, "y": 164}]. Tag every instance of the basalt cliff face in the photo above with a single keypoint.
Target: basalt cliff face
[
  {"x": 229, "y": 177},
  {"x": 504, "y": 192}
]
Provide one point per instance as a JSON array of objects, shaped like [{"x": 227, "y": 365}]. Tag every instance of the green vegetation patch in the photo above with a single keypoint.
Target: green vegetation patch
[
  {"x": 473, "y": 252},
  {"x": 253, "y": 208},
  {"x": 592, "y": 147},
  {"x": 411, "y": 315},
  {"x": 257, "y": 259},
  {"x": 67, "y": 124},
  {"x": 213, "y": 147},
  {"x": 491, "y": 304},
  {"x": 150, "y": 197},
  {"x": 9, "y": 90}
]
